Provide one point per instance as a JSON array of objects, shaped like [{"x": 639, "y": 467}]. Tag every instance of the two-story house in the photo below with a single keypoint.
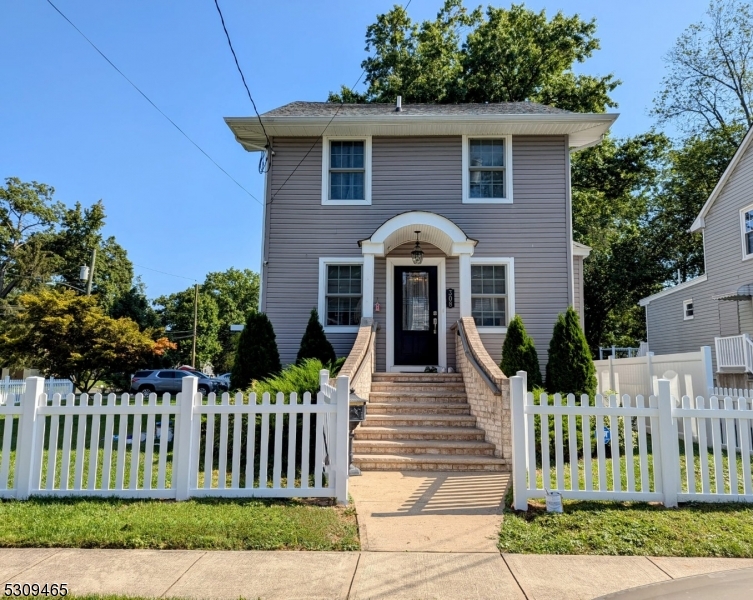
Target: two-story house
[
  {"x": 415, "y": 219},
  {"x": 716, "y": 308}
]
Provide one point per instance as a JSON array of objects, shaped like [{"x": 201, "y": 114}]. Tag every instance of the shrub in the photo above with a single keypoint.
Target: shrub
[
  {"x": 298, "y": 378},
  {"x": 570, "y": 367},
  {"x": 519, "y": 353},
  {"x": 257, "y": 356},
  {"x": 315, "y": 344}
]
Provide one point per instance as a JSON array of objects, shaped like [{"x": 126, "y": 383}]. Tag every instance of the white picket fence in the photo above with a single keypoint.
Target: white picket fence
[
  {"x": 689, "y": 373},
  {"x": 175, "y": 447},
  {"x": 14, "y": 388},
  {"x": 712, "y": 470}
]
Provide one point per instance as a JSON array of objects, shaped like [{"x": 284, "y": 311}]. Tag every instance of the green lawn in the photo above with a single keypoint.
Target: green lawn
[
  {"x": 194, "y": 524},
  {"x": 632, "y": 528}
]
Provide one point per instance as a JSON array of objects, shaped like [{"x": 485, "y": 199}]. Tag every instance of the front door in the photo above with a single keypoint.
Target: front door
[{"x": 416, "y": 316}]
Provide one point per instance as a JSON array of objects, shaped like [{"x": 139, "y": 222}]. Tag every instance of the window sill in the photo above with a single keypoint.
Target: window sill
[
  {"x": 491, "y": 329},
  {"x": 340, "y": 328},
  {"x": 487, "y": 200},
  {"x": 346, "y": 202},
  {"x": 747, "y": 257}
]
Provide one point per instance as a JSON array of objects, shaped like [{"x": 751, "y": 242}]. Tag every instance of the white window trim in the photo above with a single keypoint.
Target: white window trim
[
  {"x": 509, "y": 263},
  {"x": 685, "y": 316},
  {"x": 466, "y": 171},
  {"x": 748, "y": 208},
  {"x": 366, "y": 139},
  {"x": 335, "y": 260}
]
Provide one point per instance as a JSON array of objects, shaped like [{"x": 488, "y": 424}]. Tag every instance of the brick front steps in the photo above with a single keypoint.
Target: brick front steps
[{"x": 421, "y": 422}]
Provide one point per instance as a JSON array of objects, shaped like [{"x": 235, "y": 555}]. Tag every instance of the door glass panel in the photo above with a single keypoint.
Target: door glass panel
[{"x": 416, "y": 301}]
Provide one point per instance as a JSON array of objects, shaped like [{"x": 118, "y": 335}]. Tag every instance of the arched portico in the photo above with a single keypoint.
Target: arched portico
[{"x": 436, "y": 231}]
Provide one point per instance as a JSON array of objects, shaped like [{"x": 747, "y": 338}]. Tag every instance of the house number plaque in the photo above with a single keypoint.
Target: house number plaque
[{"x": 450, "y": 292}]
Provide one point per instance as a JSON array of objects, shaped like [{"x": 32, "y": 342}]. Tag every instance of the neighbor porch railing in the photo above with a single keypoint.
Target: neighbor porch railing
[{"x": 734, "y": 352}]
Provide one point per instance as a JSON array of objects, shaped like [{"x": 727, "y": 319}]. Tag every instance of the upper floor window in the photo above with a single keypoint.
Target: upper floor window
[
  {"x": 346, "y": 171},
  {"x": 487, "y": 169},
  {"x": 492, "y": 297},
  {"x": 746, "y": 222}
]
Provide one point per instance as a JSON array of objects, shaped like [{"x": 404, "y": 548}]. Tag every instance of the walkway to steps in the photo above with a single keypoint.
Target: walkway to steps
[
  {"x": 421, "y": 422},
  {"x": 430, "y": 482}
]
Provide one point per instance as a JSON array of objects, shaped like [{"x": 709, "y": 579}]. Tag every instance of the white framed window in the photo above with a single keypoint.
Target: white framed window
[
  {"x": 346, "y": 170},
  {"x": 492, "y": 293},
  {"x": 687, "y": 309},
  {"x": 746, "y": 230},
  {"x": 340, "y": 293},
  {"x": 487, "y": 169}
]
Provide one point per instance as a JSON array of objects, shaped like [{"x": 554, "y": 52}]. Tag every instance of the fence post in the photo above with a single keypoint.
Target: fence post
[
  {"x": 519, "y": 453},
  {"x": 708, "y": 371},
  {"x": 27, "y": 439},
  {"x": 650, "y": 373},
  {"x": 323, "y": 379},
  {"x": 183, "y": 442},
  {"x": 670, "y": 454},
  {"x": 611, "y": 370},
  {"x": 340, "y": 451}
]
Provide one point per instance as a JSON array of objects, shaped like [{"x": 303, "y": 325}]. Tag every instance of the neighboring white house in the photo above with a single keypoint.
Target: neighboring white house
[{"x": 716, "y": 309}]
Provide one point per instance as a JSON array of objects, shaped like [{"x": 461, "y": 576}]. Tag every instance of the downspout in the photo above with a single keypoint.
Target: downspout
[
  {"x": 266, "y": 209},
  {"x": 569, "y": 209}
]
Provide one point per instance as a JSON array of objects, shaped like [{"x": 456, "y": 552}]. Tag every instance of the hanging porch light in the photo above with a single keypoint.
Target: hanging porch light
[{"x": 417, "y": 255}]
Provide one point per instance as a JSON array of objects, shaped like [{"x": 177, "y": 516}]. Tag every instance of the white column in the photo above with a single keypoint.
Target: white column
[
  {"x": 465, "y": 284},
  {"x": 367, "y": 306}
]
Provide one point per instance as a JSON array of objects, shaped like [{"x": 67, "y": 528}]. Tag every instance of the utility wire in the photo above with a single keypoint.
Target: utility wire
[
  {"x": 159, "y": 110},
  {"x": 321, "y": 135},
  {"x": 263, "y": 165},
  {"x": 164, "y": 272}
]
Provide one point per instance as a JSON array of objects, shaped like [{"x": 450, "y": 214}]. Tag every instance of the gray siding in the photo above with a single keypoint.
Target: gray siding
[
  {"x": 725, "y": 270},
  {"x": 418, "y": 173}
]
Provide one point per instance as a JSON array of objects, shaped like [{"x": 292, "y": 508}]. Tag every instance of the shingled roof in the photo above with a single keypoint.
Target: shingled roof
[{"x": 328, "y": 109}]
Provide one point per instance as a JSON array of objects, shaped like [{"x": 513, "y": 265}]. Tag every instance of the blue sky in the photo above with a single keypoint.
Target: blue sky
[{"x": 69, "y": 120}]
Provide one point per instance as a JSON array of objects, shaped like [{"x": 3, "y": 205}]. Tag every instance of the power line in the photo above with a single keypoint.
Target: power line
[
  {"x": 159, "y": 110},
  {"x": 321, "y": 135},
  {"x": 243, "y": 78},
  {"x": 164, "y": 272}
]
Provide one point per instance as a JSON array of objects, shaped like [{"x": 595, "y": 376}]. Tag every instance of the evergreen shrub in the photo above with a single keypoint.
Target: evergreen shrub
[
  {"x": 570, "y": 368},
  {"x": 314, "y": 343},
  {"x": 519, "y": 353},
  {"x": 257, "y": 356}
]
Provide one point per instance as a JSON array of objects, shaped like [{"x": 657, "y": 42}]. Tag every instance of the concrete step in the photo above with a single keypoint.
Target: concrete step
[
  {"x": 450, "y": 397},
  {"x": 430, "y": 447},
  {"x": 419, "y": 433},
  {"x": 406, "y": 462},
  {"x": 417, "y": 377},
  {"x": 430, "y": 408},
  {"x": 451, "y": 386},
  {"x": 419, "y": 420}
]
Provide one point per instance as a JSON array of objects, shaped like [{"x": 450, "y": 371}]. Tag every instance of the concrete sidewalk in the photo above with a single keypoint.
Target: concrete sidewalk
[{"x": 346, "y": 575}]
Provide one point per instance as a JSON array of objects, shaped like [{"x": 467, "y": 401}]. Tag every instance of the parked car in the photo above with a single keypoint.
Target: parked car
[{"x": 170, "y": 380}]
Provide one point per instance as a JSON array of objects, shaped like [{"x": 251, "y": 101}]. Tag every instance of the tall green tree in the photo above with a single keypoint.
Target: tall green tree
[
  {"x": 500, "y": 55},
  {"x": 81, "y": 232},
  {"x": 28, "y": 217},
  {"x": 236, "y": 292},
  {"x": 709, "y": 81},
  {"x": 177, "y": 314}
]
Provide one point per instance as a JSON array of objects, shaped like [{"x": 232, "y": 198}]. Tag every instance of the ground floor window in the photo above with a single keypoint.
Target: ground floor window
[
  {"x": 491, "y": 291},
  {"x": 340, "y": 293}
]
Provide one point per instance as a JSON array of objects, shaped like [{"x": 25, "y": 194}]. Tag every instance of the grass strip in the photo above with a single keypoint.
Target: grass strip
[{"x": 199, "y": 524}]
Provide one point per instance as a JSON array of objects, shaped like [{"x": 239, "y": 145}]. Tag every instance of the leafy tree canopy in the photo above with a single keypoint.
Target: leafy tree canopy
[
  {"x": 500, "y": 55},
  {"x": 67, "y": 335}
]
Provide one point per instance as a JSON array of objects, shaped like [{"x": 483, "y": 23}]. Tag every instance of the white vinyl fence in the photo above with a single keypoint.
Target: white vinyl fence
[
  {"x": 646, "y": 449},
  {"x": 689, "y": 373},
  {"x": 12, "y": 389},
  {"x": 176, "y": 447}
]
